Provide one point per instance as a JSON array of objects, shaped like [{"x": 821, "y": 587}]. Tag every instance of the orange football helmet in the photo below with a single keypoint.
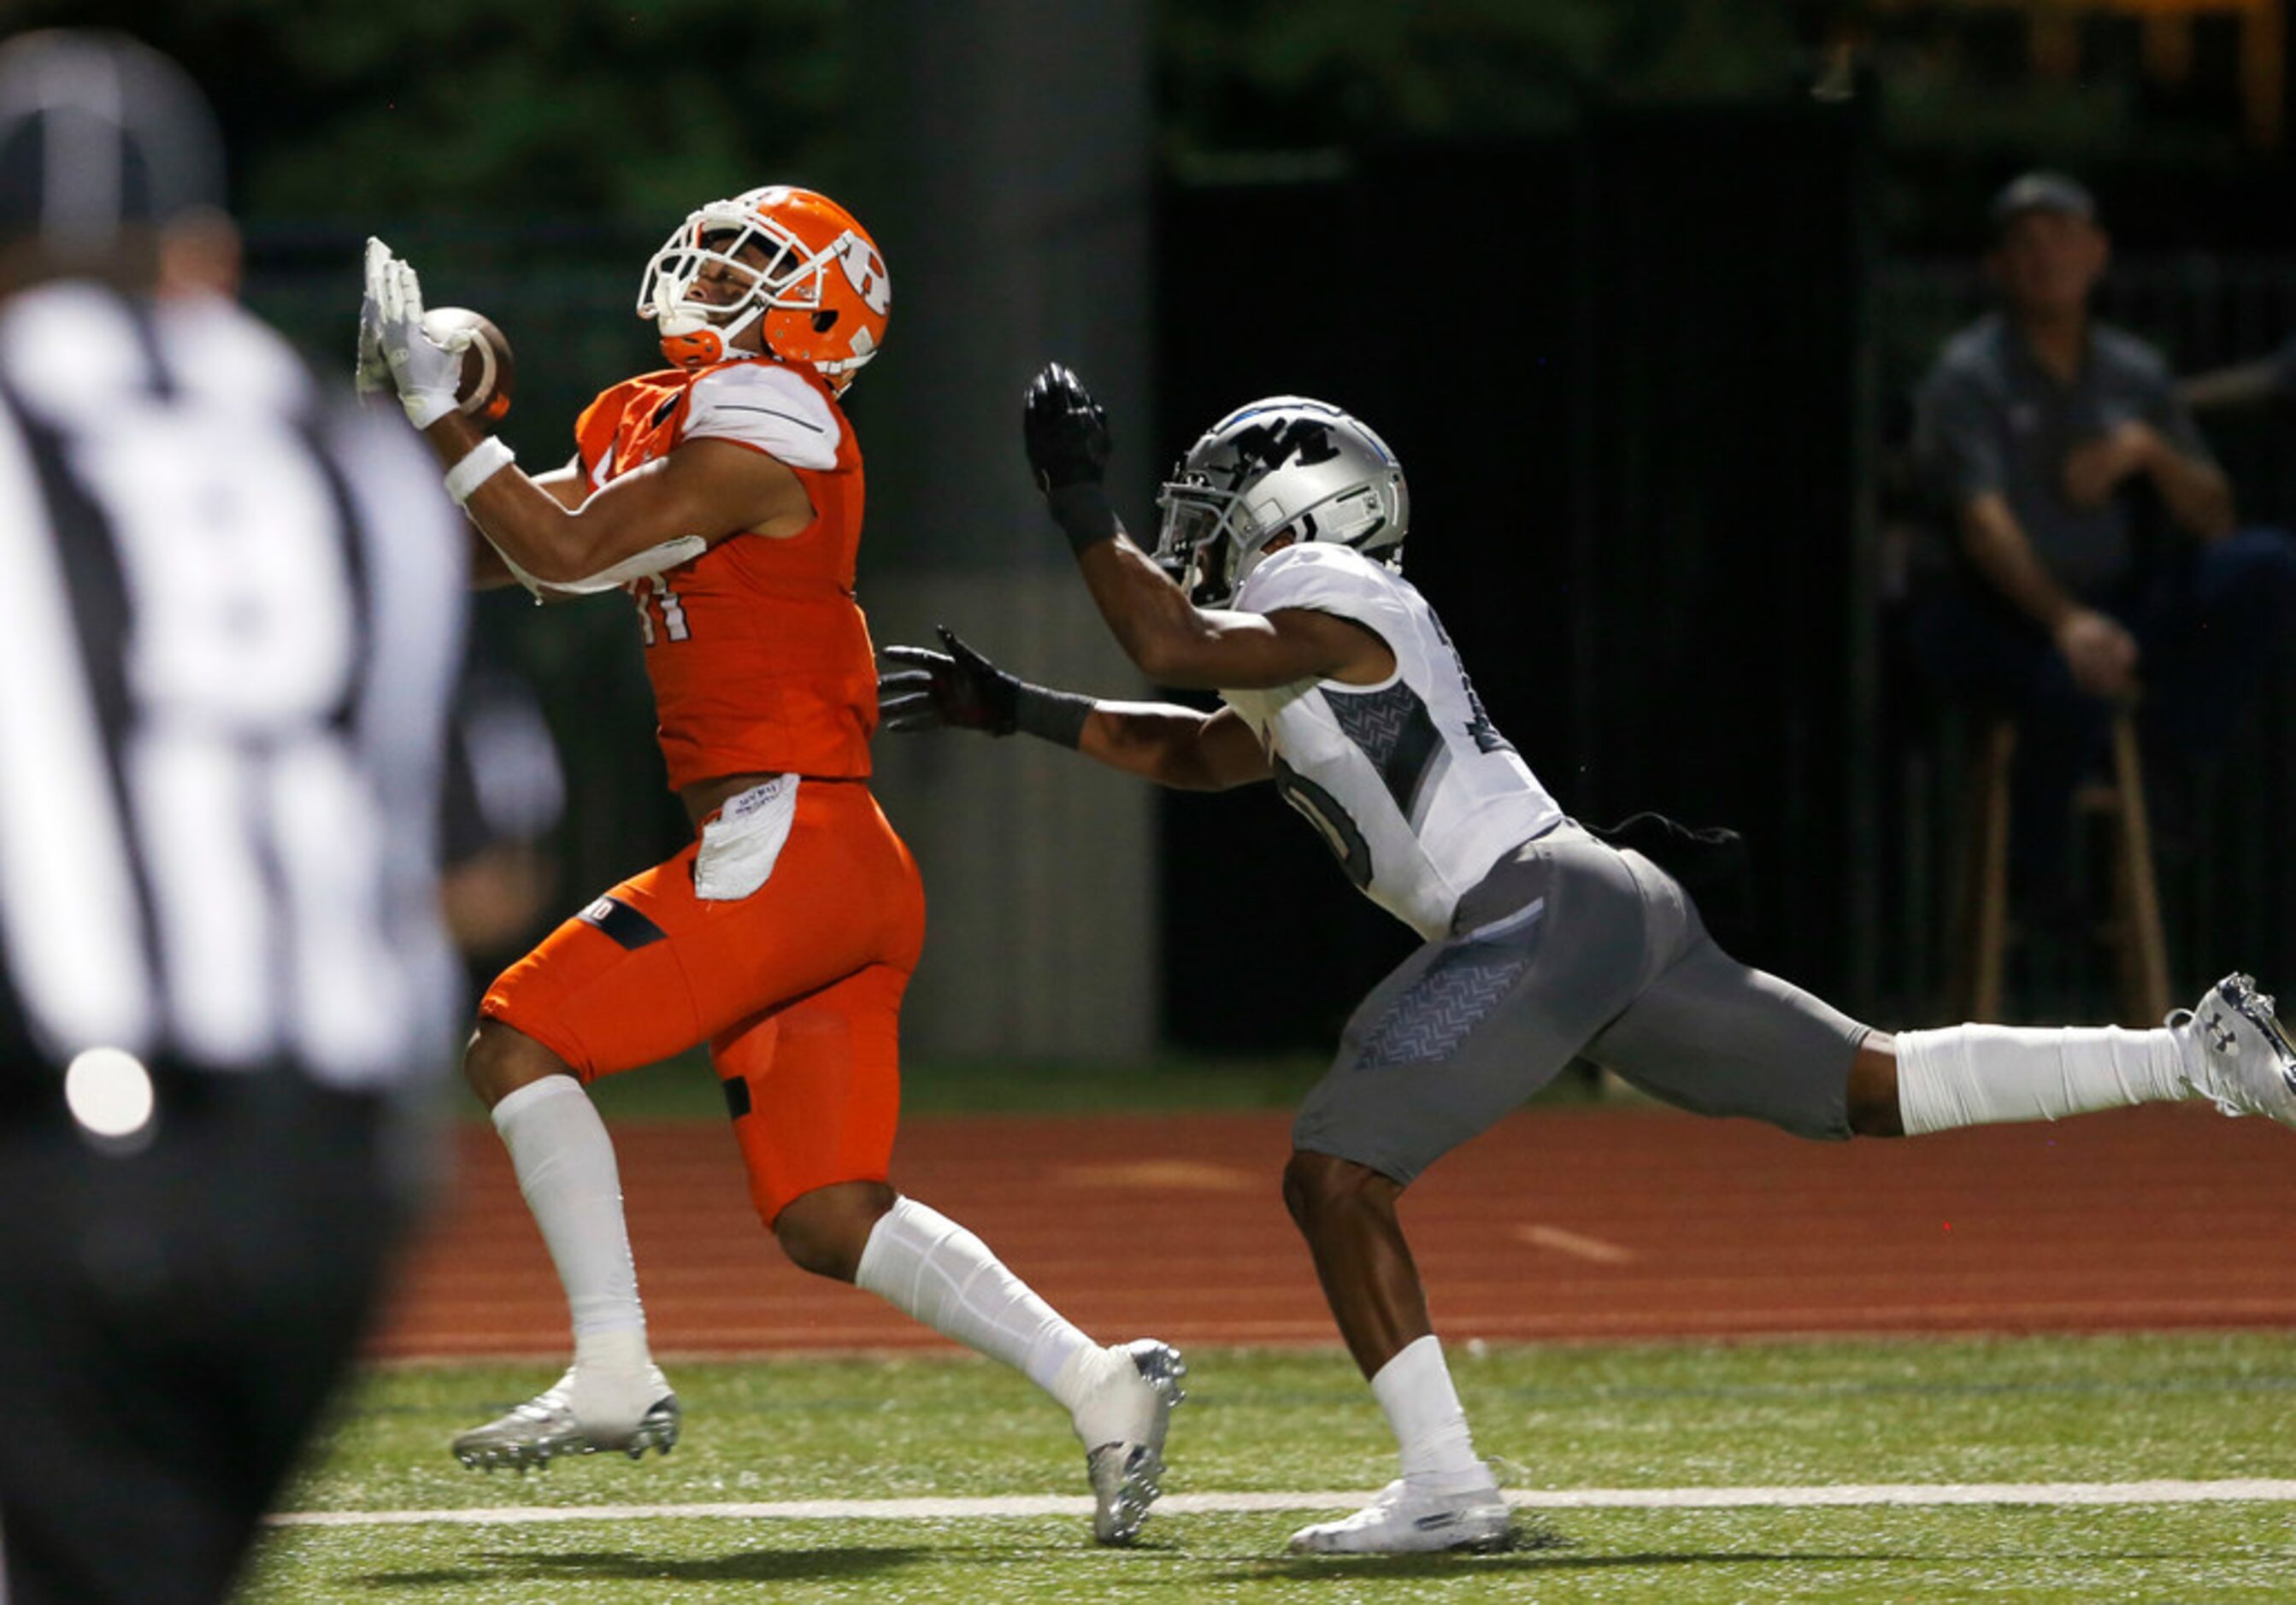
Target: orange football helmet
[{"x": 794, "y": 258}]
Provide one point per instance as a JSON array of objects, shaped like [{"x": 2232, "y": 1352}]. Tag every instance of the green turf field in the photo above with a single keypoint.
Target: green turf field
[{"x": 2093, "y": 1410}]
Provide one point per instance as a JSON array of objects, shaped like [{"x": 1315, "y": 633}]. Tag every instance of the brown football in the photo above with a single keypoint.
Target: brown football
[{"x": 489, "y": 372}]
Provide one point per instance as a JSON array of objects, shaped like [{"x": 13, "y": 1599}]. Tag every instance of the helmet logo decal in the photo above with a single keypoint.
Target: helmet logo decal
[
  {"x": 867, "y": 274},
  {"x": 1269, "y": 447}
]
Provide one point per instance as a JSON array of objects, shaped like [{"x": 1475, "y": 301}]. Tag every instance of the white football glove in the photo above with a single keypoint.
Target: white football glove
[
  {"x": 425, "y": 373},
  {"x": 371, "y": 373}
]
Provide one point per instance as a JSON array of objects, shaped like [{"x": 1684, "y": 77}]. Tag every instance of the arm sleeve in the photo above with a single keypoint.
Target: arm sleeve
[
  {"x": 1957, "y": 439},
  {"x": 768, "y": 409}
]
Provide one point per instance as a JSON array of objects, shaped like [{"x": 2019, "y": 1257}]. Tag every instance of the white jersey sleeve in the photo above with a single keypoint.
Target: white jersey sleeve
[
  {"x": 1408, "y": 781},
  {"x": 764, "y": 406},
  {"x": 1327, "y": 579}
]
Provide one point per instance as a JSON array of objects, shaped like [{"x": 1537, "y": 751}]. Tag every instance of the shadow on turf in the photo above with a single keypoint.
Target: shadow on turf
[{"x": 750, "y": 1566}]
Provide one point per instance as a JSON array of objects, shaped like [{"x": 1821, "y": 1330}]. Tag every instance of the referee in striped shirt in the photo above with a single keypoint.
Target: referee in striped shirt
[{"x": 234, "y": 614}]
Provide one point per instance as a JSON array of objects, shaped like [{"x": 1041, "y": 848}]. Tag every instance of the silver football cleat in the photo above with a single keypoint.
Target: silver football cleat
[
  {"x": 2236, "y": 1053},
  {"x": 1405, "y": 1521},
  {"x": 1127, "y": 1467},
  {"x": 546, "y": 1429}
]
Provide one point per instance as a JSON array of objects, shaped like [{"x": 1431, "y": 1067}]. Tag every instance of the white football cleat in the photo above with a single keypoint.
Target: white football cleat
[
  {"x": 2236, "y": 1053},
  {"x": 545, "y": 1427},
  {"x": 1121, "y": 1424},
  {"x": 1405, "y": 1521}
]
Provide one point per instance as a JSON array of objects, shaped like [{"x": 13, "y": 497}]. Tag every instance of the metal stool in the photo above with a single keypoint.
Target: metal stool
[{"x": 1980, "y": 933}]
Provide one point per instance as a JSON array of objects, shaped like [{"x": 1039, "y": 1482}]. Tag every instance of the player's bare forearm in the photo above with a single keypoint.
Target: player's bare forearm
[
  {"x": 520, "y": 518},
  {"x": 708, "y": 488},
  {"x": 1997, "y": 545},
  {"x": 488, "y": 572},
  {"x": 1151, "y": 617},
  {"x": 568, "y": 486},
  {"x": 1175, "y": 642},
  {"x": 1173, "y": 746}
]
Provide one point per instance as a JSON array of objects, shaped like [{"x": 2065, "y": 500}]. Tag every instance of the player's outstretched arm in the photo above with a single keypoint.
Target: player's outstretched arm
[
  {"x": 678, "y": 505},
  {"x": 1175, "y": 746},
  {"x": 668, "y": 512},
  {"x": 961, "y": 690},
  {"x": 1172, "y": 641}
]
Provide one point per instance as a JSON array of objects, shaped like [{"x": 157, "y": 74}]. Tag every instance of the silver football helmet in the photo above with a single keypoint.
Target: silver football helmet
[{"x": 1284, "y": 465}]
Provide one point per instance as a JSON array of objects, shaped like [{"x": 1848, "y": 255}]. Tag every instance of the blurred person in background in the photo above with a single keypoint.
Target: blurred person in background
[
  {"x": 1543, "y": 941},
  {"x": 724, "y": 493},
  {"x": 238, "y": 603},
  {"x": 505, "y": 795},
  {"x": 2055, "y": 445}
]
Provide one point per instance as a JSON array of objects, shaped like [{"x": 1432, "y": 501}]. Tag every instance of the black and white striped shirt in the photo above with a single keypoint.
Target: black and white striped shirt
[{"x": 232, "y": 613}]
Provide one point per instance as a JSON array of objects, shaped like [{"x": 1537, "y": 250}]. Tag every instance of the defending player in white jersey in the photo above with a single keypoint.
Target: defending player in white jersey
[{"x": 1543, "y": 941}]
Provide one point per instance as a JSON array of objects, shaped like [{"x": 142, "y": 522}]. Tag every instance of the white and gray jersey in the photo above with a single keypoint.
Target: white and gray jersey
[
  {"x": 235, "y": 614},
  {"x": 1407, "y": 781}
]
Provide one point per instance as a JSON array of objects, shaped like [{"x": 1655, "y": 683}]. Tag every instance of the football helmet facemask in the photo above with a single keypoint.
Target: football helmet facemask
[
  {"x": 793, "y": 259},
  {"x": 1286, "y": 464}
]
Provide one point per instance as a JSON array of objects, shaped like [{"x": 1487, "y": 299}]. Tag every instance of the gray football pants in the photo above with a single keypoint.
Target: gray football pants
[{"x": 1572, "y": 948}]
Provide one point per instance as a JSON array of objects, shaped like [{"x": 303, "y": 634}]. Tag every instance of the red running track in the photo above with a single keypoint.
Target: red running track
[{"x": 1601, "y": 1223}]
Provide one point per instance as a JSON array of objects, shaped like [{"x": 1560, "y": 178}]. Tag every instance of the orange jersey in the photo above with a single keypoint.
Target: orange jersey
[{"x": 758, "y": 653}]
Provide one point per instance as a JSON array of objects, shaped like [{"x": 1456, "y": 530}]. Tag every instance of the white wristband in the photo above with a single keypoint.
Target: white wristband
[{"x": 478, "y": 465}]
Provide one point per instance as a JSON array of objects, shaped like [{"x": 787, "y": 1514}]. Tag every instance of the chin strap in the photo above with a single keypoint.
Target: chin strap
[{"x": 689, "y": 338}]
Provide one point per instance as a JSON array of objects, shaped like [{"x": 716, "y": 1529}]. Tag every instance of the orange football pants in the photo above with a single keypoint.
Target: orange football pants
[{"x": 796, "y": 987}]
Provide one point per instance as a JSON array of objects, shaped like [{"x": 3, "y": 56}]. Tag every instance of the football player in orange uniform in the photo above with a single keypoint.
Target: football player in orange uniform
[{"x": 724, "y": 494}]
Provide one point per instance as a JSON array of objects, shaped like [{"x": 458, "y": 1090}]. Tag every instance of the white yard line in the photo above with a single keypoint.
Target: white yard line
[{"x": 1190, "y": 1504}]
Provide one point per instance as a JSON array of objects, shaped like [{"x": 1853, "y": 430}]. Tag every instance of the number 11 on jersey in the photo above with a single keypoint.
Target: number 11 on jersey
[{"x": 652, "y": 594}]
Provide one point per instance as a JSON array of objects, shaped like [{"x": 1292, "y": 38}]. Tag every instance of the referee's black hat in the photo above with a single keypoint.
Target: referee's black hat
[{"x": 100, "y": 136}]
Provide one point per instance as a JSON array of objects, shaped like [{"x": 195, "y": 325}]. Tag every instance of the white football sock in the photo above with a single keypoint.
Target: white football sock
[
  {"x": 1414, "y": 1388},
  {"x": 1986, "y": 1075},
  {"x": 931, "y": 1268},
  {"x": 565, "y": 1165}
]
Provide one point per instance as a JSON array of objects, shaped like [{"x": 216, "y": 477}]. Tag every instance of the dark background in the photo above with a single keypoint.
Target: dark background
[{"x": 1631, "y": 466}]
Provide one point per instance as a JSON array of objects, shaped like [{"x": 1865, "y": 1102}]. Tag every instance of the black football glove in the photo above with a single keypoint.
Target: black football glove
[
  {"x": 1065, "y": 430},
  {"x": 961, "y": 690},
  {"x": 958, "y": 690}
]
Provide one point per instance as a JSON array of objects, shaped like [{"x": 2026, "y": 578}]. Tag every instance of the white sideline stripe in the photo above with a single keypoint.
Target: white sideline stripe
[{"x": 1195, "y": 1504}]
